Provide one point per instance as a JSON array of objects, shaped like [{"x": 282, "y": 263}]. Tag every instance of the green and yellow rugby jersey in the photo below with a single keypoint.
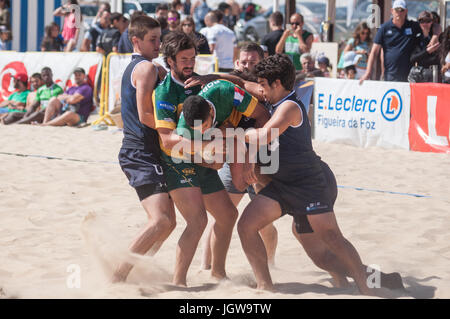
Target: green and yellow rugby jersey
[
  {"x": 168, "y": 98},
  {"x": 229, "y": 102}
]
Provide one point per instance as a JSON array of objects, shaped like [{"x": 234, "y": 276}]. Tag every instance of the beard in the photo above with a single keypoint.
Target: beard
[{"x": 181, "y": 75}]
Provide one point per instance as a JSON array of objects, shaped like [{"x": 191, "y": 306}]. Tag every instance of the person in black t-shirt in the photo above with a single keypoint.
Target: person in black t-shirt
[
  {"x": 108, "y": 41},
  {"x": 271, "y": 39}
]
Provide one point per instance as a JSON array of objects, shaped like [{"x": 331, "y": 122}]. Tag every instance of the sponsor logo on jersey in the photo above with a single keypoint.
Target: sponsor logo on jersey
[{"x": 161, "y": 105}]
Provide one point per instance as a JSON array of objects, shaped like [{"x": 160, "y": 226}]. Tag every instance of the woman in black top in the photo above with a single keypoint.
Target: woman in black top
[{"x": 188, "y": 26}]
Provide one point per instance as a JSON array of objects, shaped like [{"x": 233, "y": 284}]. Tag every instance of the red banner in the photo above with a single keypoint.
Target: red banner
[{"x": 429, "y": 129}]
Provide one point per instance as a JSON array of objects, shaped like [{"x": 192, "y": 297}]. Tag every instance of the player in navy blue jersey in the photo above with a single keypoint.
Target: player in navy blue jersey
[{"x": 139, "y": 156}]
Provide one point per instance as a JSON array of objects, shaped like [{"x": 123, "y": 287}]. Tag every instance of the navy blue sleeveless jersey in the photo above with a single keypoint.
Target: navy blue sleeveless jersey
[
  {"x": 303, "y": 184},
  {"x": 295, "y": 144},
  {"x": 136, "y": 134}
]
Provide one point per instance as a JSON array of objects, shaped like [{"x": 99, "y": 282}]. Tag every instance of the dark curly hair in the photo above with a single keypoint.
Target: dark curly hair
[
  {"x": 278, "y": 66},
  {"x": 195, "y": 108},
  {"x": 175, "y": 42}
]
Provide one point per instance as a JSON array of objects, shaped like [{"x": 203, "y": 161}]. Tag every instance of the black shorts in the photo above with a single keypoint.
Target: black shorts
[
  {"x": 309, "y": 196},
  {"x": 144, "y": 172}
]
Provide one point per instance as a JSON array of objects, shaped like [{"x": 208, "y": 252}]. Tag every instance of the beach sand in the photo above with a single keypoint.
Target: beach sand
[{"x": 65, "y": 222}]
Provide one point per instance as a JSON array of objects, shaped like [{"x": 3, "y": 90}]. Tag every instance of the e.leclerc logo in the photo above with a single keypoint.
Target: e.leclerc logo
[{"x": 391, "y": 105}]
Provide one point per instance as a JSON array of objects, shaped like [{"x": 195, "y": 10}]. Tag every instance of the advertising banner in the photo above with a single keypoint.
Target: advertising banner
[
  {"x": 371, "y": 114},
  {"x": 430, "y": 118},
  {"x": 62, "y": 66}
]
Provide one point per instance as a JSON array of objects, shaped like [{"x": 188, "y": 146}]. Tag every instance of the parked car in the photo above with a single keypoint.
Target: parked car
[
  {"x": 148, "y": 6},
  {"x": 256, "y": 28}
]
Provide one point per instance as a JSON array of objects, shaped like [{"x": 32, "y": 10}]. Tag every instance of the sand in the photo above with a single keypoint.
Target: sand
[{"x": 65, "y": 222}]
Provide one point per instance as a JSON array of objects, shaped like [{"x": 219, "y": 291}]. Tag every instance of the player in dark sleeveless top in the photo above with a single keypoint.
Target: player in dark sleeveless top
[
  {"x": 139, "y": 156},
  {"x": 303, "y": 187}
]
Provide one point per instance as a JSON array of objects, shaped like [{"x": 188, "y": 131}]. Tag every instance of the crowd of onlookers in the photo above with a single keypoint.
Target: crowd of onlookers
[
  {"x": 406, "y": 50},
  {"x": 44, "y": 102}
]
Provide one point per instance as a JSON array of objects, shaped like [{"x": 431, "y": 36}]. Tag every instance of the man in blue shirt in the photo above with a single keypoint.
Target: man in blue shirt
[{"x": 398, "y": 37}]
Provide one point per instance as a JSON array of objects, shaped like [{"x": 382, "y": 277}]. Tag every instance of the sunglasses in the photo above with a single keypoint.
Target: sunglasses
[
  {"x": 187, "y": 25},
  {"x": 295, "y": 23},
  {"x": 399, "y": 9},
  {"x": 425, "y": 20},
  {"x": 365, "y": 33},
  {"x": 171, "y": 19}
]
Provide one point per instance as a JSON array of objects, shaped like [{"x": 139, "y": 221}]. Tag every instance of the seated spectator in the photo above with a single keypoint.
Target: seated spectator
[
  {"x": 90, "y": 38},
  {"x": 188, "y": 27},
  {"x": 43, "y": 96},
  {"x": 16, "y": 102},
  {"x": 52, "y": 40},
  {"x": 425, "y": 54},
  {"x": 5, "y": 37},
  {"x": 360, "y": 43},
  {"x": 308, "y": 68},
  {"x": 272, "y": 38},
  {"x": 445, "y": 55},
  {"x": 295, "y": 41},
  {"x": 324, "y": 65},
  {"x": 125, "y": 45},
  {"x": 73, "y": 107},
  {"x": 108, "y": 41}
]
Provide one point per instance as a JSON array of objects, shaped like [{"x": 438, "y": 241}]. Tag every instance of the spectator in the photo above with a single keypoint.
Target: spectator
[
  {"x": 250, "y": 55},
  {"x": 91, "y": 37},
  {"x": 235, "y": 10},
  {"x": 52, "y": 40},
  {"x": 271, "y": 39},
  {"x": 222, "y": 41},
  {"x": 104, "y": 6},
  {"x": 5, "y": 36},
  {"x": 16, "y": 102},
  {"x": 425, "y": 54},
  {"x": 178, "y": 7},
  {"x": 398, "y": 37},
  {"x": 5, "y": 16},
  {"x": 445, "y": 55},
  {"x": 295, "y": 41},
  {"x": 71, "y": 32},
  {"x": 187, "y": 7},
  {"x": 43, "y": 96},
  {"x": 436, "y": 27},
  {"x": 198, "y": 12},
  {"x": 188, "y": 27},
  {"x": 228, "y": 19},
  {"x": 308, "y": 68},
  {"x": 324, "y": 65},
  {"x": 75, "y": 104},
  {"x": 360, "y": 44},
  {"x": 164, "y": 26},
  {"x": 162, "y": 10},
  {"x": 125, "y": 45},
  {"x": 351, "y": 59},
  {"x": 173, "y": 19},
  {"x": 108, "y": 41}
]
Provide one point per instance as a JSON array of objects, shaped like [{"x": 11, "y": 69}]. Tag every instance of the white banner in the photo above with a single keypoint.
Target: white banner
[
  {"x": 372, "y": 114},
  {"x": 62, "y": 65},
  {"x": 204, "y": 64}
]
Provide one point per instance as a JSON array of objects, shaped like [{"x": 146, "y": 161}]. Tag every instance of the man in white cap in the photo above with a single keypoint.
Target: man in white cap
[{"x": 398, "y": 37}]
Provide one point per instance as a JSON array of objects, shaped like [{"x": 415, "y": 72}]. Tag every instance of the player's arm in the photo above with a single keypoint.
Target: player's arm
[
  {"x": 287, "y": 114},
  {"x": 74, "y": 99},
  {"x": 144, "y": 79},
  {"x": 251, "y": 87},
  {"x": 261, "y": 115}
]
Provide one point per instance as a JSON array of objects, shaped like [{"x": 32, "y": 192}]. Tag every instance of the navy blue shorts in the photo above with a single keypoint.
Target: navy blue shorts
[
  {"x": 304, "y": 196},
  {"x": 144, "y": 171}
]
